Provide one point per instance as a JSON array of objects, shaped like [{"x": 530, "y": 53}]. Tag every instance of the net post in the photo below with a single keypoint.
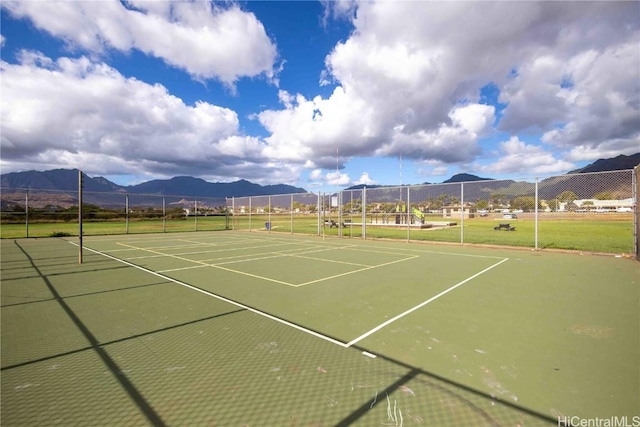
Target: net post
[{"x": 80, "y": 217}]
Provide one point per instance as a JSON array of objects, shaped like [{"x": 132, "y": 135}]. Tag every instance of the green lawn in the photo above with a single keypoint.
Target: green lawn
[
  {"x": 209, "y": 223},
  {"x": 606, "y": 236},
  {"x": 593, "y": 235}
]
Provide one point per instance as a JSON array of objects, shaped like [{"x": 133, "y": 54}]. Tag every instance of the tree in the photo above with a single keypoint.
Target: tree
[
  {"x": 603, "y": 195},
  {"x": 567, "y": 196},
  {"x": 482, "y": 204},
  {"x": 526, "y": 203},
  {"x": 553, "y": 204},
  {"x": 496, "y": 200}
]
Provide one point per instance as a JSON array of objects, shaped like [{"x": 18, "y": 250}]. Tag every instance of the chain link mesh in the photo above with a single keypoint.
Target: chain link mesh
[{"x": 592, "y": 212}]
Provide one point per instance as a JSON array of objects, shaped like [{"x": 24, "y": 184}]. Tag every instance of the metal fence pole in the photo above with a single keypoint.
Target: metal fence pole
[
  {"x": 636, "y": 210},
  {"x": 535, "y": 218},
  {"x": 126, "y": 213},
  {"x": 250, "y": 208},
  {"x": 270, "y": 225},
  {"x": 322, "y": 213},
  {"x": 26, "y": 211},
  {"x": 462, "y": 213},
  {"x": 195, "y": 215},
  {"x": 318, "y": 210},
  {"x": 291, "y": 210},
  {"x": 164, "y": 216},
  {"x": 351, "y": 217},
  {"x": 408, "y": 219},
  {"x": 364, "y": 213},
  {"x": 80, "y": 217},
  {"x": 339, "y": 195}
]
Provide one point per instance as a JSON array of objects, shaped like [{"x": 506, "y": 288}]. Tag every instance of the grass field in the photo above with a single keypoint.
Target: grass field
[
  {"x": 272, "y": 329},
  {"x": 612, "y": 234}
]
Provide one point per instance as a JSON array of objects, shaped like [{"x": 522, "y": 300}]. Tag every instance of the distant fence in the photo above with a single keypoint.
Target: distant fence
[
  {"x": 592, "y": 212},
  {"x": 36, "y": 213}
]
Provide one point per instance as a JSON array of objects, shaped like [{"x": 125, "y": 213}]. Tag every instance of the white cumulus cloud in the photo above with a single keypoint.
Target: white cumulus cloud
[{"x": 206, "y": 39}]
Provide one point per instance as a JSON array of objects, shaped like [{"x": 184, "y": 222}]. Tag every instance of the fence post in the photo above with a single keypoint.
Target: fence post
[
  {"x": 195, "y": 215},
  {"x": 462, "y": 213},
  {"x": 408, "y": 218},
  {"x": 270, "y": 225},
  {"x": 364, "y": 213},
  {"x": 164, "y": 216},
  {"x": 291, "y": 210},
  {"x": 26, "y": 211},
  {"x": 80, "y": 217},
  {"x": 322, "y": 215},
  {"x": 318, "y": 211},
  {"x": 636, "y": 217},
  {"x": 535, "y": 218},
  {"x": 339, "y": 195}
]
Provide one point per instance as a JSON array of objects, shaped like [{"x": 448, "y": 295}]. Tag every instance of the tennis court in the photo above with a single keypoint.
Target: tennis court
[{"x": 267, "y": 329}]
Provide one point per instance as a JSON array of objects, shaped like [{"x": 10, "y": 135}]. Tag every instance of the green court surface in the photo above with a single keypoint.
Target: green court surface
[{"x": 266, "y": 329}]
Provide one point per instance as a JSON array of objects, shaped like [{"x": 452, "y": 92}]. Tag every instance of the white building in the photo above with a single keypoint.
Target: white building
[{"x": 594, "y": 205}]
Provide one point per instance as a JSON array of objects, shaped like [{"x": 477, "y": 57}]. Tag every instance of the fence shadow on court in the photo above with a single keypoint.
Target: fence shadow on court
[{"x": 279, "y": 377}]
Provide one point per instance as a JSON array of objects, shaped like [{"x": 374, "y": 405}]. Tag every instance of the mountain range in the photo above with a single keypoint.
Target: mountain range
[{"x": 66, "y": 180}]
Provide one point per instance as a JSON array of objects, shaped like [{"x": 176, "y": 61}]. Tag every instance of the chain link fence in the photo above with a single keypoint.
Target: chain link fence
[
  {"x": 591, "y": 212},
  {"x": 38, "y": 213}
]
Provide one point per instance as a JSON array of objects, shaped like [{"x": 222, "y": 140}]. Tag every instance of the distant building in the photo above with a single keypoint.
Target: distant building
[
  {"x": 455, "y": 211},
  {"x": 594, "y": 205}
]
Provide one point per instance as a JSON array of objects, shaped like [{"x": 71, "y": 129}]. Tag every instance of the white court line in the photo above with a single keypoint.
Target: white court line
[
  {"x": 224, "y": 260},
  {"x": 214, "y": 265},
  {"x": 357, "y": 271},
  {"x": 293, "y": 325},
  {"x": 221, "y": 298},
  {"x": 422, "y": 304}
]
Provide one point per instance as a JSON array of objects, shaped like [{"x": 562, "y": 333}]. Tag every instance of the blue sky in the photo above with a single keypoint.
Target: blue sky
[{"x": 321, "y": 95}]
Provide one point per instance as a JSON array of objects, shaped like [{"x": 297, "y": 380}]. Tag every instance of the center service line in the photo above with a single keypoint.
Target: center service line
[{"x": 411, "y": 310}]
